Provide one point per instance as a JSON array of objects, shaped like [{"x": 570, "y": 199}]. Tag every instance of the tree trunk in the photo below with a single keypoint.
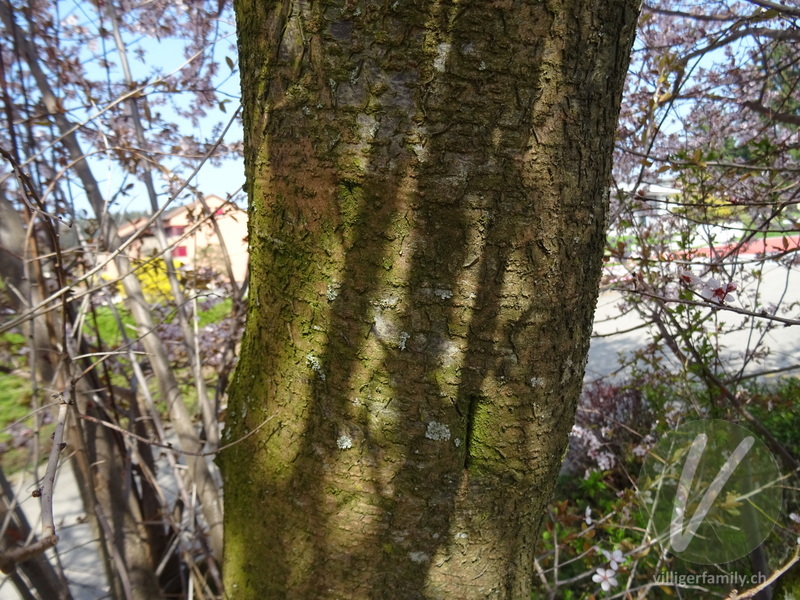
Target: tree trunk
[{"x": 428, "y": 185}]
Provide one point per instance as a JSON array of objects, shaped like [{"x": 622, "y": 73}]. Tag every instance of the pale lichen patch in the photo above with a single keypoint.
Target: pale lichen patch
[
  {"x": 437, "y": 431},
  {"x": 333, "y": 291},
  {"x": 451, "y": 353},
  {"x": 442, "y": 51},
  {"x": 569, "y": 370},
  {"x": 383, "y": 329},
  {"x": 401, "y": 343},
  {"x": 316, "y": 366},
  {"x": 388, "y": 302},
  {"x": 443, "y": 294}
]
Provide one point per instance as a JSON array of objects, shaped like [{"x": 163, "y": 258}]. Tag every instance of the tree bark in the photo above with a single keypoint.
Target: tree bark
[{"x": 428, "y": 184}]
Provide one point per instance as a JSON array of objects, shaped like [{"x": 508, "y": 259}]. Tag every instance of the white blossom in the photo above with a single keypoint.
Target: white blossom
[
  {"x": 689, "y": 278},
  {"x": 606, "y": 578},
  {"x": 711, "y": 289},
  {"x": 714, "y": 291},
  {"x": 614, "y": 558}
]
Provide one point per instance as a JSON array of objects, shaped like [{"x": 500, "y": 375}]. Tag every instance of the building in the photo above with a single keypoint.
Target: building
[
  {"x": 653, "y": 201},
  {"x": 193, "y": 237}
]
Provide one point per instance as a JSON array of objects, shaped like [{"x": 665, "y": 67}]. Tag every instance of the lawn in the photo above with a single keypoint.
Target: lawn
[{"x": 103, "y": 324}]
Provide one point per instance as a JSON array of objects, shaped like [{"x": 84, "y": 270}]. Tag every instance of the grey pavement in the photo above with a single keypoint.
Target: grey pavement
[{"x": 617, "y": 334}]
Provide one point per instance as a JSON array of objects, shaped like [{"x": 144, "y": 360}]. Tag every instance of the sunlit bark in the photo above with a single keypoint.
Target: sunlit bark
[{"x": 427, "y": 185}]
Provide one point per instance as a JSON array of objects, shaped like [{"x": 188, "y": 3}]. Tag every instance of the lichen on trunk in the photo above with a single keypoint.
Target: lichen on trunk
[{"x": 427, "y": 186}]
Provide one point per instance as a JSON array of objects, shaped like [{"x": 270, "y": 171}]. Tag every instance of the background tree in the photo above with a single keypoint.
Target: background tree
[{"x": 427, "y": 188}]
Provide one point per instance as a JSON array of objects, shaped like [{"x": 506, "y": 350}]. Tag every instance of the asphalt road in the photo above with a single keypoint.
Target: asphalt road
[{"x": 617, "y": 334}]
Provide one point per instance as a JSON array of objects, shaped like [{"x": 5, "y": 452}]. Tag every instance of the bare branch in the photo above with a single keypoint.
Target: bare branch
[
  {"x": 781, "y": 8},
  {"x": 37, "y": 309},
  {"x": 771, "y": 114},
  {"x": 697, "y": 17},
  {"x": 167, "y": 445},
  {"x": 776, "y": 574},
  {"x": 8, "y": 560},
  {"x": 712, "y": 305},
  {"x": 48, "y": 524},
  {"x": 27, "y": 189},
  {"x": 724, "y": 40}
]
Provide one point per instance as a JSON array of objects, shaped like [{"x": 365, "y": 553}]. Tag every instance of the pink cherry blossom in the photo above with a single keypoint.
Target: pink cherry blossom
[
  {"x": 711, "y": 289},
  {"x": 688, "y": 277},
  {"x": 614, "y": 558}
]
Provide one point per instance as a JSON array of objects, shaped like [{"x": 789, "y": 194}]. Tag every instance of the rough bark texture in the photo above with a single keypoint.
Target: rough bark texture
[{"x": 427, "y": 184}]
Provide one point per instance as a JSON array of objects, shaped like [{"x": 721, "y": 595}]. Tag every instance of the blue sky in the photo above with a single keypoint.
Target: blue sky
[{"x": 161, "y": 56}]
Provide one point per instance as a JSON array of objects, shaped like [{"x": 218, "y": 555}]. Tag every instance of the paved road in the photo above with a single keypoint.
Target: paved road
[
  {"x": 76, "y": 549},
  {"x": 782, "y": 343}
]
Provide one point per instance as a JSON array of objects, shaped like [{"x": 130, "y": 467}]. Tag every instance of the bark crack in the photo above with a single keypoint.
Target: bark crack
[{"x": 472, "y": 407}]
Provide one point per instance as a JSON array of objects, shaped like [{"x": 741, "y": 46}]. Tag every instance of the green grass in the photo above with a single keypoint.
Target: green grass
[
  {"x": 15, "y": 400},
  {"x": 15, "y": 405},
  {"x": 15, "y": 390},
  {"x": 775, "y": 402},
  {"x": 15, "y": 341},
  {"x": 107, "y": 327},
  {"x": 216, "y": 313}
]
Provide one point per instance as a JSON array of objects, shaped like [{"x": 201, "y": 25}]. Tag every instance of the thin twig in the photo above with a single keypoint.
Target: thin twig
[
  {"x": 735, "y": 595},
  {"x": 14, "y": 556},
  {"x": 48, "y": 523},
  {"x": 712, "y": 305},
  {"x": 168, "y": 445},
  {"x": 27, "y": 188},
  {"x": 36, "y": 310}
]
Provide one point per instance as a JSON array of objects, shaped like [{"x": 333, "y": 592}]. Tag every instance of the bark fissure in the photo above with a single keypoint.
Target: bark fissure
[{"x": 472, "y": 406}]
